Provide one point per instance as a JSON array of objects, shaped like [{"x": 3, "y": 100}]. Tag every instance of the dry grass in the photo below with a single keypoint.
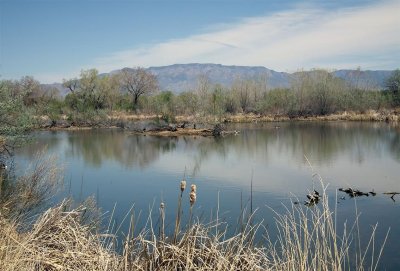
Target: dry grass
[
  {"x": 307, "y": 239},
  {"x": 57, "y": 241},
  {"x": 113, "y": 119},
  {"x": 392, "y": 115},
  {"x": 41, "y": 180}
]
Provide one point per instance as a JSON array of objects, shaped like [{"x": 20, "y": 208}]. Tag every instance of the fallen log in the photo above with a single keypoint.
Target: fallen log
[{"x": 392, "y": 194}]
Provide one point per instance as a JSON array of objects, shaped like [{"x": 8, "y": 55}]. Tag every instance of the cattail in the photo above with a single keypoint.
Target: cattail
[
  {"x": 192, "y": 197},
  {"x": 192, "y": 200},
  {"x": 178, "y": 215},
  {"x": 162, "y": 217},
  {"x": 183, "y": 185}
]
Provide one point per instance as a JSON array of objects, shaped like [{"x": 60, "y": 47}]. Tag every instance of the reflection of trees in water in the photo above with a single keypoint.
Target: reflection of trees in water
[
  {"x": 321, "y": 142},
  {"x": 128, "y": 150},
  {"x": 395, "y": 142},
  {"x": 246, "y": 145},
  {"x": 40, "y": 140},
  {"x": 325, "y": 141},
  {"x": 96, "y": 147}
]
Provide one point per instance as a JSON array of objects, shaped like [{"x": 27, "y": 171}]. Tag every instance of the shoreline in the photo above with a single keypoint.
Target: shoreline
[{"x": 121, "y": 120}]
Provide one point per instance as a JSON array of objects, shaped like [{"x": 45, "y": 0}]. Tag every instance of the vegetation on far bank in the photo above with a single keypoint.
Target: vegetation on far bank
[{"x": 95, "y": 100}]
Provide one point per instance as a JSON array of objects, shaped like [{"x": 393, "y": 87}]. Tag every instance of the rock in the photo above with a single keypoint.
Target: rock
[
  {"x": 48, "y": 123},
  {"x": 217, "y": 130},
  {"x": 62, "y": 124}
]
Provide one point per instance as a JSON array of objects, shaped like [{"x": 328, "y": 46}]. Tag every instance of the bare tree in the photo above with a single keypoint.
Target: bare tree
[
  {"x": 138, "y": 82},
  {"x": 202, "y": 90}
]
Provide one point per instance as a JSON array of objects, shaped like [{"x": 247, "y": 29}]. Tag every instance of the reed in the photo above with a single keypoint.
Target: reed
[
  {"x": 179, "y": 211},
  {"x": 162, "y": 221},
  {"x": 192, "y": 201},
  {"x": 21, "y": 195},
  {"x": 307, "y": 239}
]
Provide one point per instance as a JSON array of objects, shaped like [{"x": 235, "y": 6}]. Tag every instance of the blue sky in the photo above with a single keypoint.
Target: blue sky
[{"x": 51, "y": 40}]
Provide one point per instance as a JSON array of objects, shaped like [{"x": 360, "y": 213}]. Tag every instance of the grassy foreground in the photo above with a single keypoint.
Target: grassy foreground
[
  {"x": 58, "y": 240},
  {"x": 63, "y": 238}
]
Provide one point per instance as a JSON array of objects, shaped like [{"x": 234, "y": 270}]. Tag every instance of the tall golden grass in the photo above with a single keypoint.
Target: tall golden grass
[
  {"x": 307, "y": 239},
  {"x": 18, "y": 197}
]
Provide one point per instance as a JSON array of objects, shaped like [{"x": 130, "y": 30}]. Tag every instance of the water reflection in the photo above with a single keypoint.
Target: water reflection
[
  {"x": 322, "y": 143},
  {"x": 98, "y": 147}
]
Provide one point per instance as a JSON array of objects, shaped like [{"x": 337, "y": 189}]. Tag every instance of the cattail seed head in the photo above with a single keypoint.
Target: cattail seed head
[
  {"x": 183, "y": 185},
  {"x": 193, "y": 188},
  {"x": 192, "y": 198}
]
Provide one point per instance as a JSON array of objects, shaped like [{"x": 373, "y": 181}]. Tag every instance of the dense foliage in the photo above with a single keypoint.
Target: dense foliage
[{"x": 91, "y": 96}]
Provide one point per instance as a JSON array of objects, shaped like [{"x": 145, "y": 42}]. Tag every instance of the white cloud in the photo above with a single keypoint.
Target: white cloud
[{"x": 365, "y": 36}]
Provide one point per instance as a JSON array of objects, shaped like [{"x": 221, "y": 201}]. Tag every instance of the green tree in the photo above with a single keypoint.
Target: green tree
[
  {"x": 30, "y": 89},
  {"x": 187, "y": 103},
  {"x": 165, "y": 103},
  {"x": 71, "y": 84},
  {"x": 217, "y": 100},
  {"x": 242, "y": 90},
  {"x": 92, "y": 91},
  {"x": 15, "y": 118},
  {"x": 393, "y": 86},
  {"x": 278, "y": 102},
  {"x": 317, "y": 92},
  {"x": 325, "y": 87},
  {"x": 89, "y": 88}
]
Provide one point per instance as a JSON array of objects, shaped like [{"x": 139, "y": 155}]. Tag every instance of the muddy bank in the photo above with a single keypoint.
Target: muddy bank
[
  {"x": 195, "y": 125},
  {"x": 180, "y": 132}
]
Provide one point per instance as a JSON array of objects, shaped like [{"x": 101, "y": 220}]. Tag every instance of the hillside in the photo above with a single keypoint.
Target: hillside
[{"x": 184, "y": 77}]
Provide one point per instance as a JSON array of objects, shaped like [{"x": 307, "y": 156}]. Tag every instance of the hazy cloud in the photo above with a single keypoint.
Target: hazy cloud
[{"x": 303, "y": 37}]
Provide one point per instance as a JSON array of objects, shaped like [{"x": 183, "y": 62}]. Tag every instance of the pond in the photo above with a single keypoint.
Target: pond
[{"x": 274, "y": 160}]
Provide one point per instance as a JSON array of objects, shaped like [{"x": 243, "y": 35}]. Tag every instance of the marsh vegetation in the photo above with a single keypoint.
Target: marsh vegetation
[
  {"x": 69, "y": 238},
  {"x": 95, "y": 100}
]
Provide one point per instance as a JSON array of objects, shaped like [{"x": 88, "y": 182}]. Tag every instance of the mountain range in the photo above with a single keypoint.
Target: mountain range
[{"x": 184, "y": 77}]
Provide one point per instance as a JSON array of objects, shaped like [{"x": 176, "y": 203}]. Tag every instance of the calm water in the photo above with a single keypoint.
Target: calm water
[{"x": 119, "y": 168}]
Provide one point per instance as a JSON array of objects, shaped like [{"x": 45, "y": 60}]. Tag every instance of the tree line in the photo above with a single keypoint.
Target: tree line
[{"x": 311, "y": 93}]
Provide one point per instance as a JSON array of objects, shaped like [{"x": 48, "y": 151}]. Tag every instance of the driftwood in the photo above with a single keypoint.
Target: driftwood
[
  {"x": 181, "y": 130},
  {"x": 355, "y": 192},
  {"x": 313, "y": 199},
  {"x": 392, "y": 194},
  {"x": 160, "y": 128}
]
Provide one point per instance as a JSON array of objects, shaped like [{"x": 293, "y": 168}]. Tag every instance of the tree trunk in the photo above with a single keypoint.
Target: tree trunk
[{"x": 135, "y": 102}]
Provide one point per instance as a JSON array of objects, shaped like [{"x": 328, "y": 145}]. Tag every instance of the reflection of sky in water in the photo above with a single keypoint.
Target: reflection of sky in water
[{"x": 118, "y": 167}]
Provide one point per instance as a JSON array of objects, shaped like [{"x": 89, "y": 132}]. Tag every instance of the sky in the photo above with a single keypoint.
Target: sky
[{"x": 56, "y": 39}]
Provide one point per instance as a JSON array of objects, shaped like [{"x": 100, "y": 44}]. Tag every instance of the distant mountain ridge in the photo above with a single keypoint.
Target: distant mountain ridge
[
  {"x": 184, "y": 77},
  {"x": 181, "y": 77}
]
